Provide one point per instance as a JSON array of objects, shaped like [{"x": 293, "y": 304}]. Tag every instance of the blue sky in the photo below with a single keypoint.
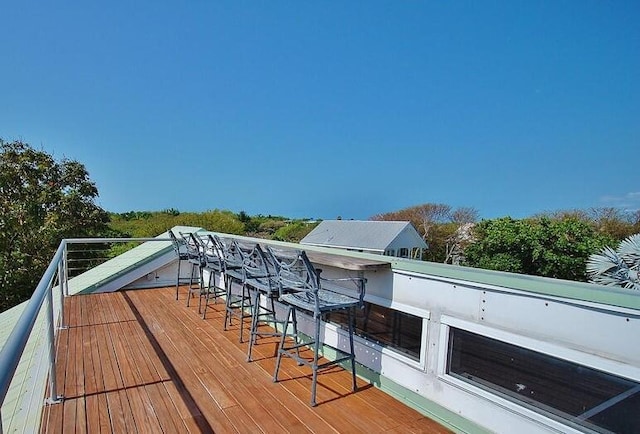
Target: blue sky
[{"x": 324, "y": 109}]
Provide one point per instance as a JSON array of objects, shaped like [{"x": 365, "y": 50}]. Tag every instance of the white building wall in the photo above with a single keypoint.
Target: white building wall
[{"x": 598, "y": 336}]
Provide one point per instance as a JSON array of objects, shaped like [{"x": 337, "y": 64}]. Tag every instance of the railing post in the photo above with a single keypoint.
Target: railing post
[
  {"x": 66, "y": 270},
  {"x": 61, "y": 292},
  {"x": 53, "y": 395}
]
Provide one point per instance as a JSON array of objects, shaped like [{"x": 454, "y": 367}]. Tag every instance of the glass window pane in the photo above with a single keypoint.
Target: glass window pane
[
  {"x": 584, "y": 395},
  {"x": 387, "y": 327}
]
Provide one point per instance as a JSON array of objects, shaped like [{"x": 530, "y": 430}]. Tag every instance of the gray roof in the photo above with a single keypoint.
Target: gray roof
[{"x": 358, "y": 234}]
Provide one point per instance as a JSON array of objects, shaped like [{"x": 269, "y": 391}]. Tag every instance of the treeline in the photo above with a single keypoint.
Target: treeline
[
  {"x": 43, "y": 200},
  {"x": 152, "y": 223},
  {"x": 554, "y": 244}
]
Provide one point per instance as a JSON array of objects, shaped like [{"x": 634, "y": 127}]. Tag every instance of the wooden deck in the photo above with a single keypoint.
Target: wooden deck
[{"x": 140, "y": 361}]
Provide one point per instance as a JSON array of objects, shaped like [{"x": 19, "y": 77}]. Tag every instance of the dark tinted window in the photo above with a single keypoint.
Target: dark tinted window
[
  {"x": 388, "y": 327},
  {"x": 586, "y": 396}
]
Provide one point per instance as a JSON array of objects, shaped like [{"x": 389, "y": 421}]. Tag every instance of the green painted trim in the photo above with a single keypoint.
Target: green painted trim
[{"x": 428, "y": 408}]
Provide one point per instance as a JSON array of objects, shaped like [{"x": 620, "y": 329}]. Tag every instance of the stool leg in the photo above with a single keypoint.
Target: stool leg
[
  {"x": 206, "y": 297},
  {"x": 178, "y": 277},
  {"x": 227, "y": 316},
  {"x": 212, "y": 284},
  {"x": 281, "y": 345},
  {"x": 314, "y": 366},
  {"x": 201, "y": 286},
  {"x": 273, "y": 312},
  {"x": 351, "y": 347},
  {"x": 190, "y": 283},
  {"x": 295, "y": 336},
  {"x": 245, "y": 289},
  {"x": 254, "y": 322}
]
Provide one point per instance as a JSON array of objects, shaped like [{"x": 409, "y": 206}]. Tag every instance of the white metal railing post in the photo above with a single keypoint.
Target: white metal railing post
[
  {"x": 53, "y": 391},
  {"x": 62, "y": 324},
  {"x": 66, "y": 270}
]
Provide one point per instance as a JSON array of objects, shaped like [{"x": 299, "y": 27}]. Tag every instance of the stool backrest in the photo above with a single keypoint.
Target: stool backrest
[{"x": 294, "y": 270}]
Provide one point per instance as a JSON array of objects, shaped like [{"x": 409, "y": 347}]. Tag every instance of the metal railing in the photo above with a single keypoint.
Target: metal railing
[{"x": 13, "y": 349}]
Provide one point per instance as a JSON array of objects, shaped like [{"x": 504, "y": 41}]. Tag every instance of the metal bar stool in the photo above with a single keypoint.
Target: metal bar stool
[
  {"x": 260, "y": 278},
  {"x": 238, "y": 302},
  {"x": 214, "y": 265},
  {"x": 302, "y": 288},
  {"x": 196, "y": 259},
  {"x": 181, "y": 252}
]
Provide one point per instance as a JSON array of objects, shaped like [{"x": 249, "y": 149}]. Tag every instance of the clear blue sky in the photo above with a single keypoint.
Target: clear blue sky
[{"x": 331, "y": 108}]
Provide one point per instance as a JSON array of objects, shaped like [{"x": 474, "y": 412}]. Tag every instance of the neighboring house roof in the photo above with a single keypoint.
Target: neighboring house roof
[{"x": 359, "y": 234}]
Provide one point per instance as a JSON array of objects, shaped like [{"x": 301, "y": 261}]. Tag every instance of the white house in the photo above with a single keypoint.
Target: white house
[{"x": 391, "y": 238}]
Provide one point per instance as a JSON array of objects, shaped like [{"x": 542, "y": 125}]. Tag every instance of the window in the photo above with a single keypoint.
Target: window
[
  {"x": 586, "y": 396},
  {"x": 403, "y": 252},
  {"x": 387, "y": 327},
  {"x": 390, "y": 252}
]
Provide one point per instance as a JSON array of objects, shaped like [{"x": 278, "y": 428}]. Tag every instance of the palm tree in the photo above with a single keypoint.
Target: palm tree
[{"x": 617, "y": 267}]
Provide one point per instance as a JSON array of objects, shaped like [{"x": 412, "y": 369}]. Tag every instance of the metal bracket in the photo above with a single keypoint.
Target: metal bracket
[{"x": 58, "y": 400}]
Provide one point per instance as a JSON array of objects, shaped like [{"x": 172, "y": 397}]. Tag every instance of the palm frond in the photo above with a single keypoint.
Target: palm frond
[
  {"x": 607, "y": 259},
  {"x": 617, "y": 267},
  {"x": 629, "y": 250}
]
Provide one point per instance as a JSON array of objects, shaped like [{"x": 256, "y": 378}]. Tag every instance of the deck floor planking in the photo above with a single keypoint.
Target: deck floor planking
[{"x": 140, "y": 361}]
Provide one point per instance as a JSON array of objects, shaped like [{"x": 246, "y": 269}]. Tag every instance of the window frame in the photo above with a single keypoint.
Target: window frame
[
  {"x": 538, "y": 413},
  {"x": 424, "y": 315}
]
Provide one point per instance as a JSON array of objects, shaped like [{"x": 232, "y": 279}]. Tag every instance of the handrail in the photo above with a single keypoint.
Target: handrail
[
  {"x": 14, "y": 346},
  {"x": 111, "y": 240}
]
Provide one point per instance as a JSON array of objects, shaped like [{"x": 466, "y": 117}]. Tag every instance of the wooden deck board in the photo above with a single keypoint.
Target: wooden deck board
[
  {"x": 224, "y": 383},
  {"x": 140, "y": 361}
]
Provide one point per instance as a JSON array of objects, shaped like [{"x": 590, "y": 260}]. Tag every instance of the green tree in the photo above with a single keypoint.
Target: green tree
[
  {"x": 152, "y": 224},
  {"x": 541, "y": 246},
  {"x": 42, "y": 201},
  {"x": 612, "y": 222},
  {"x": 294, "y": 231}
]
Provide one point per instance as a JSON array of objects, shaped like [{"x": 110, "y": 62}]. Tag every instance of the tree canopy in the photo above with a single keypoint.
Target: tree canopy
[
  {"x": 42, "y": 201},
  {"x": 541, "y": 246}
]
